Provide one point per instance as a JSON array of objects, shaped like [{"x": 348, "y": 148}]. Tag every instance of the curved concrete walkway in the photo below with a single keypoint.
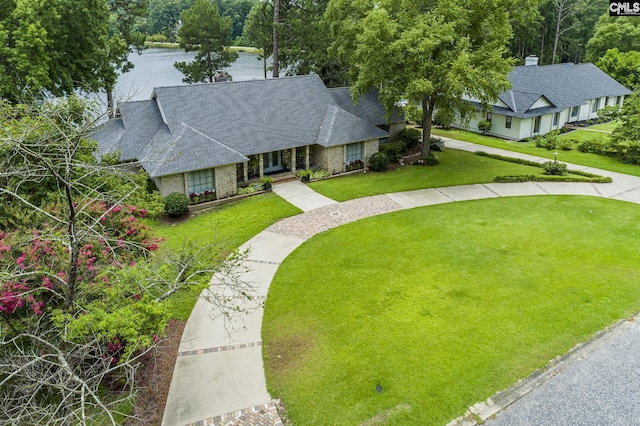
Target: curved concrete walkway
[{"x": 219, "y": 377}]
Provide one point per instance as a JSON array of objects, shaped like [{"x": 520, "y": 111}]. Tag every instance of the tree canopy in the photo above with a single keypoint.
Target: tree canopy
[
  {"x": 51, "y": 46},
  {"x": 436, "y": 53},
  {"x": 206, "y": 32}
]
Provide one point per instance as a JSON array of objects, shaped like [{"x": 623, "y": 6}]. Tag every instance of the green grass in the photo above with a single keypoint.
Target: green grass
[
  {"x": 586, "y": 135},
  {"x": 443, "y": 305},
  {"x": 229, "y": 226},
  {"x": 456, "y": 168},
  {"x": 575, "y": 157},
  {"x": 610, "y": 126}
]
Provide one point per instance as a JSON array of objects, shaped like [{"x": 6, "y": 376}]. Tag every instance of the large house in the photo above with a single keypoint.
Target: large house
[
  {"x": 545, "y": 98},
  {"x": 221, "y": 136}
]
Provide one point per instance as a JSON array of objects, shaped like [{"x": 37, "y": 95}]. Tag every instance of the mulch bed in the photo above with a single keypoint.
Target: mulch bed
[{"x": 154, "y": 378}]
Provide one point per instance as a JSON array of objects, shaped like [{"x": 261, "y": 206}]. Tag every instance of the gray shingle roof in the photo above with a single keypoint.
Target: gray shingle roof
[
  {"x": 564, "y": 85},
  {"x": 368, "y": 108},
  {"x": 340, "y": 127},
  {"x": 191, "y": 127}
]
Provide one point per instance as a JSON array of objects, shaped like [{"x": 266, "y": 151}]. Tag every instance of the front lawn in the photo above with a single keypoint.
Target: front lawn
[
  {"x": 455, "y": 168},
  {"x": 443, "y": 306},
  {"x": 228, "y": 226},
  {"x": 574, "y": 157}
]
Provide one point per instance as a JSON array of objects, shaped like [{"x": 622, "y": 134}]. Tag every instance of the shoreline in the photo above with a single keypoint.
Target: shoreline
[{"x": 167, "y": 45}]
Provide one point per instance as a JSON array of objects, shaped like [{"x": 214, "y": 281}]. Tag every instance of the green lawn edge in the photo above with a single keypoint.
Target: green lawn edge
[
  {"x": 334, "y": 329},
  {"x": 574, "y": 157}
]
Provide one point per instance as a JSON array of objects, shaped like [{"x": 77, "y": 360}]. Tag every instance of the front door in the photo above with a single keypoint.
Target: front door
[{"x": 273, "y": 162}]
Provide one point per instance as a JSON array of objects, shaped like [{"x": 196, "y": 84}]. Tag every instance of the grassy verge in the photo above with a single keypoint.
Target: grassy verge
[
  {"x": 610, "y": 126},
  {"x": 456, "y": 168},
  {"x": 586, "y": 135},
  {"x": 167, "y": 45},
  {"x": 229, "y": 226},
  {"x": 443, "y": 306},
  {"x": 575, "y": 157}
]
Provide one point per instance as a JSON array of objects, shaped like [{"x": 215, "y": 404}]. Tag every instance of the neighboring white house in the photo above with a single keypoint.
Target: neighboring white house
[{"x": 545, "y": 98}]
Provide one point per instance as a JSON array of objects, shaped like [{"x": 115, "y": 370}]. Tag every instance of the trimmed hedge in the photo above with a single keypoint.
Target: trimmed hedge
[
  {"x": 579, "y": 175},
  {"x": 551, "y": 178}
]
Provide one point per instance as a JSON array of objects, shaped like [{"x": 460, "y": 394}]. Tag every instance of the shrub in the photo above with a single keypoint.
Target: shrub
[
  {"x": 250, "y": 189},
  {"x": 411, "y": 137},
  {"x": 319, "y": 174},
  {"x": 379, "y": 161},
  {"x": 566, "y": 144},
  {"x": 157, "y": 38},
  {"x": 266, "y": 182},
  {"x": 554, "y": 168},
  {"x": 176, "y": 204},
  {"x": 431, "y": 160},
  {"x": 395, "y": 151},
  {"x": 484, "y": 126},
  {"x": 593, "y": 146}
]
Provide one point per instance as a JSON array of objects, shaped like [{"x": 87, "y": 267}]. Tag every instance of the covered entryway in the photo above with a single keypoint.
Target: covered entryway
[{"x": 273, "y": 162}]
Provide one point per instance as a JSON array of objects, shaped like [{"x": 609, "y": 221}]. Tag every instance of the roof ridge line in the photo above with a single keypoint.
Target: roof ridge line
[{"x": 211, "y": 139}]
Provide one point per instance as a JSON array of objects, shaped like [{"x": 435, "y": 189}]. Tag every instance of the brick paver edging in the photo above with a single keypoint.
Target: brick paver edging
[{"x": 259, "y": 415}]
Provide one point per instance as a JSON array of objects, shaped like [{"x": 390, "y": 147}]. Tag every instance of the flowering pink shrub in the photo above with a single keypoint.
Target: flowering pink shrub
[{"x": 40, "y": 259}]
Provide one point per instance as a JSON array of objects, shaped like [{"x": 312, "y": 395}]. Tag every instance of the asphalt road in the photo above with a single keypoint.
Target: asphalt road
[{"x": 602, "y": 388}]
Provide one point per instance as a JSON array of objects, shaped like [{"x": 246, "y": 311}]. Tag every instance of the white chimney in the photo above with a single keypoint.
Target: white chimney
[{"x": 530, "y": 60}]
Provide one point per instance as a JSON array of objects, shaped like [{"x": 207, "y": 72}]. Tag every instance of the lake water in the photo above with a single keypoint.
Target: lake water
[{"x": 154, "y": 68}]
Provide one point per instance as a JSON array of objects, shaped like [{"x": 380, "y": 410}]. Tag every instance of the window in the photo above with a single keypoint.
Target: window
[
  {"x": 489, "y": 116},
  {"x": 536, "y": 125},
  {"x": 595, "y": 105},
  {"x": 575, "y": 111},
  {"x": 556, "y": 118},
  {"x": 618, "y": 100},
  {"x": 200, "y": 181},
  {"x": 354, "y": 151},
  {"x": 507, "y": 123}
]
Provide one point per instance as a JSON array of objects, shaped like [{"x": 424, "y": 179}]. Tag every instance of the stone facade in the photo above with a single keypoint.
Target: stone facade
[
  {"x": 172, "y": 183},
  {"x": 370, "y": 148},
  {"x": 330, "y": 158},
  {"x": 226, "y": 181}
]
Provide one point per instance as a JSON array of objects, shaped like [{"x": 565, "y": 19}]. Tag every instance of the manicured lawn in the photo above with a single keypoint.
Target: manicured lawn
[
  {"x": 586, "y": 135},
  {"x": 575, "y": 157},
  {"x": 228, "y": 226},
  {"x": 606, "y": 126},
  {"x": 455, "y": 168},
  {"x": 443, "y": 305}
]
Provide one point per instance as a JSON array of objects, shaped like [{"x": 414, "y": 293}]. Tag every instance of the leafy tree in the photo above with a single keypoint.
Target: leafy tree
[
  {"x": 164, "y": 16},
  {"x": 435, "y": 53},
  {"x": 303, "y": 36},
  {"x": 623, "y": 66},
  {"x": 55, "y": 47},
  {"x": 621, "y": 33},
  {"x": 238, "y": 11},
  {"x": 628, "y": 132},
  {"x": 258, "y": 30},
  {"x": 206, "y": 32},
  {"x": 81, "y": 292}
]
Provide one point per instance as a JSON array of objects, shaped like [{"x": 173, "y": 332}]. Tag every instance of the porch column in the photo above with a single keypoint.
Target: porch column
[
  {"x": 293, "y": 161},
  {"x": 245, "y": 174},
  {"x": 261, "y": 166},
  {"x": 306, "y": 157}
]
